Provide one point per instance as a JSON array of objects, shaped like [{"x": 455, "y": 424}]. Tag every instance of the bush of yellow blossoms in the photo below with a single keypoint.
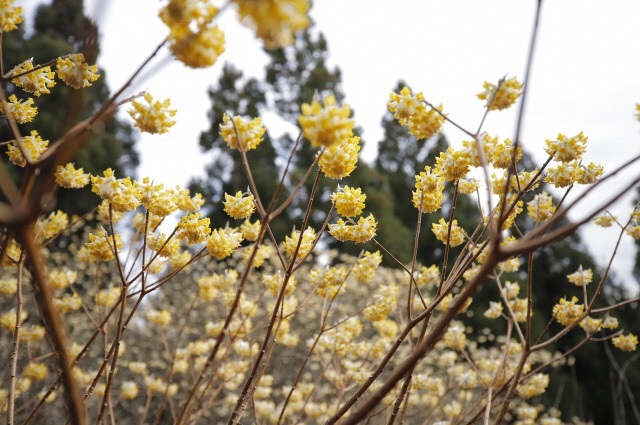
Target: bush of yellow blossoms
[{"x": 153, "y": 314}]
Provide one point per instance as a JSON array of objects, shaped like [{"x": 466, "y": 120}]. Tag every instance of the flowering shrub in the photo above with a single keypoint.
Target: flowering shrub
[{"x": 150, "y": 312}]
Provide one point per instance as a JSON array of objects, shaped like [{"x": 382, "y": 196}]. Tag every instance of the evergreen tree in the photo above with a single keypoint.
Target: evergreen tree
[{"x": 59, "y": 29}]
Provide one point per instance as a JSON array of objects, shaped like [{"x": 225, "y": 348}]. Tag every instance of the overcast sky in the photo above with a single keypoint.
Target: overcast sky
[{"x": 586, "y": 74}]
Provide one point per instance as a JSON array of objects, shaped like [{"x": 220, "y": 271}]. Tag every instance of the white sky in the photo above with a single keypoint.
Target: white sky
[{"x": 586, "y": 75}]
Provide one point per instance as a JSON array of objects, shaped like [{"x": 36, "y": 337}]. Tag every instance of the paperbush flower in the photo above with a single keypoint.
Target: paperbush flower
[
  {"x": 566, "y": 149},
  {"x": 441, "y": 230},
  {"x": 129, "y": 390},
  {"x": 581, "y": 277},
  {"x": 308, "y": 238},
  {"x": 455, "y": 337},
  {"x": 412, "y": 112},
  {"x": 154, "y": 117},
  {"x": 563, "y": 175},
  {"x": 71, "y": 178},
  {"x": 162, "y": 245},
  {"x": 123, "y": 194},
  {"x": 365, "y": 268},
  {"x": 19, "y": 110},
  {"x": 52, "y": 225},
  {"x": 494, "y": 311},
  {"x": 326, "y": 125},
  {"x": 502, "y": 96},
  {"x": 275, "y": 21},
  {"x": 250, "y": 231},
  {"x": 429, "y": 276},
  {"x": 200, "y": 48},
  {"x": 452, "y": 164},
  {"x": 349, "y": 201},
  {"x": 339, "y": 160},
  {"x": 35, "y": 82},
  {"x": 589, "y": 174},
  {"x": 107, "y": 297},
  {"x": 541, "y": 208},
  {"x": 35, "y": 371},
  {"x": 568, "y": 312},
  {"x": 222, "y": 242},
  {"x": 363, "y": 231},
  {"x": 535, "y": 386},
  {"x": 240, "y": 206},
  {"x": 385, "y": 301},
  {"x": 100, "y": 245},
  {"x": 240, "y": 134},
  {"x": 10, "y": 16},
  {"x": 193, "y": 228},
  {"x": 33, "y": 146},
  {"x": 627, "y": 342},
  {"x": 73, "y": 70}
]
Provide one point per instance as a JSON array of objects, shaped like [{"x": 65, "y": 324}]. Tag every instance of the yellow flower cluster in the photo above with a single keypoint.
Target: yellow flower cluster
[
  {"x": 349, "y": 201},
  {"x": 10, "y": 16},
  {"x": 75, "y": 72},
  {"x": 273, "y": 283},
  {"x": 502, "y": 96},
  {"x": 340, "y": 159},
  {"x": 360, "y": 232},
  {"x": 411, "y": 111},
  {"x": 159, "y": 317},
  {"x": 8, "y": 286},
  {"x": 240, "y": 134},
  {"x": 100, "y": 246},
  {"x": 222, "y": 242},
  {"x": 19, "y": 110},
  {"x": 428, "y": 194},
  {"x": 193, "y": 228},
  {"x": 568, "y": 312},
  {"x": 123, "y": 194},
  {"x": 107, "y": 297},
  {"x": 329, "y": 282},
  {"x": 275, "y": 21},
  {"x": 290, "y": 243},
  {"x": 541, "y": 207},
  {"x": 385, "y": 301},
  {"x": 153, "y": 117},
  {"x": 366, "y": 266},
  {"x": 250, "y": 231},
  {"x": 453, "y": 164},
  {"x": 494, "y": 311},
  {"x": 192, "y": 38},
  {"x": 35, "y": 82},
  {"x": 52, "y": 225},
  {"x": 429, "y": 276},
  {"x": 33, "y": 146},
  {"x": 71, "y": 178},
  {"x": 581, "y": 277},
  {"x": 240, "y": 206},
  {"x": 455, "y": 337},
  {"x": 627, "y": 342},
  {"x": 61, "y": 278},
  {"x": 326, "y": 125},
  {"x": 441, "y": 230},
  {"x": 566, "y": 149},
  {"x": 535, "y": 386}
]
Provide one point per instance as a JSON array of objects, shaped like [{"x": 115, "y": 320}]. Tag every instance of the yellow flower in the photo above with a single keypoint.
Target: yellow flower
[
  {"x": 566, "y": 149},
  {"x": 361, "y": 232},
  {"x": 581, "y": 277},
  {"x": 568, "y": 312},
  {"x": 61, "y": 278},
  {"x": 339, "y": 160},
  {"x": 349, "y": 201},
  {"x": 129, "y": 390},
  {"x": 240, "y": 206},
  {"x": 330, "y": 282},
  {"x": 180, "y": 14},
  {"x": 123, "y": 194},
  {"x": 8, "y": 286},
  {"x": 250, "y": 231},
  {"x": 589, "y": 174},
  {"x": 625, "y": 342},
  {"x": 19, "y": 110},
  {"x": 275, "y": 21},
  {"x": 100, "y": 245},
  {"x": 502, "y": 155},
  {"x": 326, "y": 125},
  {"x": 10, "y": 16},
  {"x": 161, "y": 318},
  {"x": 35, "y": 371},
  {"x": 222, "y": 242},
  {"x": 273, "y": 283},
  {"x": 73, "y": 70},
  {"x": 541, "y": 208},
  {"x": 563, "y": 175},
  {"x": 468, "y": 186},
  {"x": 249, "y": 133},
  {"x": 455, "y": 337},
  {"x": 107, "y": 297},
  {"x": 8, "y": 320},
  {"x": 193, "y": 228},
  {"x": 429, "y": 276},
  {"x": 198, "y": 49},
  {"x": 70, "y": 178},
  {"x": 153, "y": 117},
  {"x": 51, "y": 226},
  {"x": 33, "y": 146},
  {"x": 308, "y": 238},
  {"x": 453, "y": 164},
  {"x": 591, "y": 325},
  {"x": 494, "y": 311},
  {"x": 535, "y": 386},
  {"x": 411, "y": 111},
  {"x": 385, "y": 301},
  {"x": 441, "y": 230},
  {"x": 35, "y": 82},
  {"x": 366, "y": 266},
  {"x": 503, "y": 96},
  {"x": 68, "y": 303}
]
